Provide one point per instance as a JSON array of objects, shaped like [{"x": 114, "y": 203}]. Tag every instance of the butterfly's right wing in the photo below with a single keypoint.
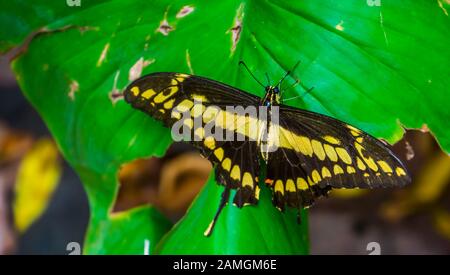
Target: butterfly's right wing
[{"x": 320, "y": 153}]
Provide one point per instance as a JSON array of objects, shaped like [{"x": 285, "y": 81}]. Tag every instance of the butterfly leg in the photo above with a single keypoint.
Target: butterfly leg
[{"x": 223, "y": 202}]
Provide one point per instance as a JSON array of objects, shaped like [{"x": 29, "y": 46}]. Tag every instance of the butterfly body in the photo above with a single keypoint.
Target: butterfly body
[{"x": 307, "y": 153}]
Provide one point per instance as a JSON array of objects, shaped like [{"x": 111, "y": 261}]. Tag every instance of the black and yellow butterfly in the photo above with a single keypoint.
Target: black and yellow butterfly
[{"x": 314, "y": 154}]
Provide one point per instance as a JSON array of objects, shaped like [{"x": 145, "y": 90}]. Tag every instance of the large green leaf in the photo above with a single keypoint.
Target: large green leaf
[{"x": 377, "y": 67}]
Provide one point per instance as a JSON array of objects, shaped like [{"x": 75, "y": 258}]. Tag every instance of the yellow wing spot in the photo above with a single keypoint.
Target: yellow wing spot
[
  {"x": 226, "y": 164},
  {"x": 343, "y": 155},
  {"x": 310, "y": 182},
  {"x": 366, "y": 175},
  {"x": 176, "y": 115},
  {"x": 169, "y": 104},
  {"x": 189, "y": 122},
  {"x": 351, "y": 170},
  {"x": 360, "y": 140},
  {"x": 210, "y": 142},
  {"x": 331, "y": 154},
  {"x": 210, "y": 114},
  {"x": 369, "y": 161},
  {"x": 200, "y": 132},
  {"x": 197, "y": 110},
  {"x": 301, "y": 184},
  {"x": 247, "y": 180},
  {"x": 332, "y": 140},
  {"x": 135, "y": 90},
  {"x": 235, "y": 173},
  {"x": 290, "y": 186},
  {"x": 305, "y": 146},
  {"x": 148, "y": 93},
  {"x": 257, "y": 192},
  {"x": 162, "y": 96},
  {"x": 279, "y": 187},
  {"x": 378, "y": 174},
  {"x": 316, "y": 176},
  {"x": 360, "y": 164},
  {"x": 355, "y": 134},
  {"x": 400, "y": 172},
  {"x": 181, "y": 77},
  {"x": 337, "y": 170},
  {"x": 200, "y": 98},
  {"x": 384, "y": 166},
  {"x": 293, "y": 141},
  {"x": 219, "y": 153},
  {"x": 184, "y": 106},
  {"x": 356, "y": 130},
  {"x": 326, "y": 173},
  {"x": 162, "y": 111},
  {"x": 318, "y": 149}
]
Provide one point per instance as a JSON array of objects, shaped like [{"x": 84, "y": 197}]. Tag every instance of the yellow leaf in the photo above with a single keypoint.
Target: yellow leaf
[
  {"x": 38, "y": 175},
  {"x": 442, "y": 222}
]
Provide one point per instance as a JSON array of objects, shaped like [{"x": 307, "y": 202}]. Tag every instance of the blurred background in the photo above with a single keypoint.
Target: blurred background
[{"x": 43, "y": 206}]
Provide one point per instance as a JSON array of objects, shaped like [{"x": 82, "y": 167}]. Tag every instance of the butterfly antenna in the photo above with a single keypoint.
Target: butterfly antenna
[
  {"x": 250, "y": 72},
  {"x": 268, "y": 79},
  {"x": 302, "y": 95},
  {"x": 223, "y": 202},
  {"x": 288, "y": 73}
]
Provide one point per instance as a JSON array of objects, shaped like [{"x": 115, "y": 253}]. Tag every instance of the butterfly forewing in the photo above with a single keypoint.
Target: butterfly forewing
[{"x": 167, "y": 96}]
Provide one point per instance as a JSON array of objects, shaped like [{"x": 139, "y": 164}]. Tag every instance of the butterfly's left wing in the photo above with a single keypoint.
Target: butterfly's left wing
[{"x": 319, "y": 153}]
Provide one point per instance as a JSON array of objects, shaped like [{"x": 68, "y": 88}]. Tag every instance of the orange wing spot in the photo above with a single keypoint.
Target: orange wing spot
[{"x": 269, "y": 181}]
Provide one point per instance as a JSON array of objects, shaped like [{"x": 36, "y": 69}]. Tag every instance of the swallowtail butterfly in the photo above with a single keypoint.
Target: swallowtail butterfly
[{"x": 314, "y": 154}]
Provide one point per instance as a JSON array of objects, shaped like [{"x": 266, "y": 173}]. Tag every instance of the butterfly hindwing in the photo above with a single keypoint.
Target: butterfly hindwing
[{"x": 238, "y": 171}]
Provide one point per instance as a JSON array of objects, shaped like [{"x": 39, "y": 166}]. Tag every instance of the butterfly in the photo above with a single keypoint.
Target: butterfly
[{"x": 306, "y": 154}]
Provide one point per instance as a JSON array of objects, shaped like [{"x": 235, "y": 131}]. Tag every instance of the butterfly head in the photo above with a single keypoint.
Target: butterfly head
[
  {"x": 273, "y": 95},
  {"x": 272, "y": 89}
]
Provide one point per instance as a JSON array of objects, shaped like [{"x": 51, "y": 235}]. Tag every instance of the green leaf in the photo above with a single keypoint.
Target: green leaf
[
  {"x": 260, "y": 229},
  {"x": 376, "y": 67}
]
